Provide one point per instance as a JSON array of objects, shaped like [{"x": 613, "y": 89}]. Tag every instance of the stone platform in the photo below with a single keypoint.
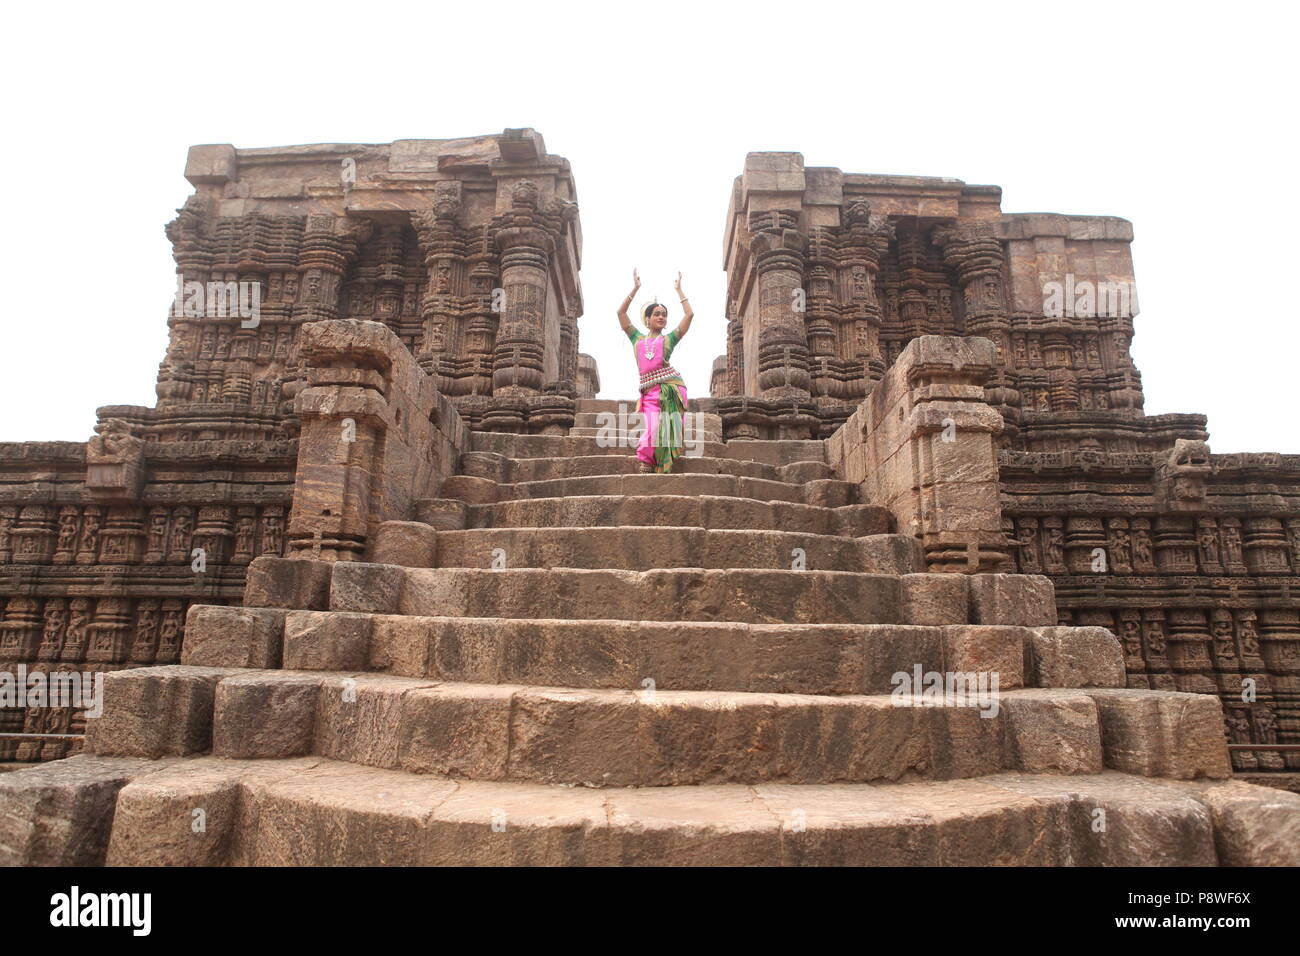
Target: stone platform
[{"x": 597, "y": 667}]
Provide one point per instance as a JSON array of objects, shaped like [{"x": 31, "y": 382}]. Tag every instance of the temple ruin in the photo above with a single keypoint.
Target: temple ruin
[
  {"x": 98, "y": 540},
  {"x": 379, "y": 538},
  {"x": 1190, "y": 558}
]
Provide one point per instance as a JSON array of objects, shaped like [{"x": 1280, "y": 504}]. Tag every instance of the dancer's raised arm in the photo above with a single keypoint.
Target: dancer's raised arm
[
  {"x": 623, "y": 320},
  {"x": 686, "y": 306}
]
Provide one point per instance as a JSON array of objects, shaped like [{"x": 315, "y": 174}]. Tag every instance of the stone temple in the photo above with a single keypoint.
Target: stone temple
[{"x": 376, "y": 581}]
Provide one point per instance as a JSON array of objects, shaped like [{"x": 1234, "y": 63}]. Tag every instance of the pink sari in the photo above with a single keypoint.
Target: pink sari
[{"x": 663, "y": 400}]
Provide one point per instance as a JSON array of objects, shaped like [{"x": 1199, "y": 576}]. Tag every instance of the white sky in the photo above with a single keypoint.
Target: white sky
[{"x": 1180, "y": 118}]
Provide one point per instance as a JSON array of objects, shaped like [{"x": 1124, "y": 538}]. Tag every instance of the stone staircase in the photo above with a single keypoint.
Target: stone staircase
[{"x": 566, "y": 662}]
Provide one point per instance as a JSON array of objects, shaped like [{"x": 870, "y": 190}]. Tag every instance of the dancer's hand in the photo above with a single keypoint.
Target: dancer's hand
[
  {"x": 636, "y": 282},
  {"x": 688, "y": 313}
]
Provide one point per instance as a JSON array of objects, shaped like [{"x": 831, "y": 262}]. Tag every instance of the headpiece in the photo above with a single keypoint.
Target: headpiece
[{"x": 648, "y": 308}]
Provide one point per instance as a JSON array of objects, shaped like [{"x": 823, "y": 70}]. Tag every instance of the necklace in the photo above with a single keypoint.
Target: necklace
[{"x": 650, "y": 346}]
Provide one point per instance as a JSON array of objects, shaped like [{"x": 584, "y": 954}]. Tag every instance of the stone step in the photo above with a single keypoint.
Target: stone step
[
  {"x": 607, "y": 737},
  {"x": 622, "y": 738},
  {"x": 689, "y": 594},
  {"x": 827, "y": 492},
  {"x": 628, "y": 439},
  {"x": 559, "y": 446},
  {"x": 760, "y": 596},
  {"x": 318, "y": 812},
  {"x": 648, "y": 548},
  {"x": 590, "y": 406},
  {"x": 622, "y": 461},
  {"x": 680, "y": 511},
  {"x": 653, "y": 737},
  {"x": 627, "y": 417},
  {"x": 748, "y": 595},
  {"x": 757, "y": 596},
  {"x": 824, "y": 659}
]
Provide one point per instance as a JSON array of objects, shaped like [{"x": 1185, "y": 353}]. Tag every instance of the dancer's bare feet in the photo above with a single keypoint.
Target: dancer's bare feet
[{"x": 646, "y": 468}]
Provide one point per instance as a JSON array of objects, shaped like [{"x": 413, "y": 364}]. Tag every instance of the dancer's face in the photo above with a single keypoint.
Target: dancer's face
[{"x": 657, "y": 319}]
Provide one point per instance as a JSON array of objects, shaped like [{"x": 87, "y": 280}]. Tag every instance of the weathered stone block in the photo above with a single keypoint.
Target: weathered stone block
[
  {"x": 400, "y": 645},
  {"x": 987, "y": 649},
  {"x": 457, "y": 729},
  {"x": 1024, "y": 599},
  {"x": 326, "y": 640},
  {"x": 373, "y": 588},
  {"x": 1052, "y": 732},
  {"x": 448, "y": 514},
  {"x": 178, "y": 816},
  {"x": 1253, "y": 826},
  {"x": 288, "y": 583},
  {"x": 409, "y": 544},
  {"x": 356, "y": 717},
  {"x": 1162, "y": 733},
  {"x": 265, "y": 715},
  {"x": 935, "y": 598},
  {"x": 156, "y": 711},
  {"x": 233, "y": 636},
  {"x": 1073, "y": 657},
  {"x": 214, "y": 164},
  {"x": 61, "y": 813}
]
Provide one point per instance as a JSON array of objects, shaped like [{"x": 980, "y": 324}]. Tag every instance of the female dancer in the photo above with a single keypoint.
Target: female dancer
[{"x": 663, "y": 393}]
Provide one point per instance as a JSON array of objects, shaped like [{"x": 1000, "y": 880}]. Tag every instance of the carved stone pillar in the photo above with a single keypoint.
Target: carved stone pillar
[
  {"x": 110, "y": 631},
  {"x": 821, "y": 315},
  {"x": 1189, "y": 651},
  {"x": 1265, "y": 546},
  {"x": 480, "y": 333},
  {"x": 863, "y": 240},
  {"x": 444, "y": 257},
  {"x": 123, "y": 537},
  {"x": 525, "y": 249},
  {"x": 328, "y": 245},
  {"x": 194, "y": 260},
  {"x": 567, "y": 375},
  {"x": 1084, "y": 537},
  {"x": 34, "y": 535},
  {"x": 922, "y": 445},
  {"x": 213, "y": 534},
  {"x": 1058, "y": 357},
  {"x": 1279, "y": 632},
  {"x": 778, "y": 249},
  {"x": 1175, "y": 545},
  {"x": 21, "y": 630},
  {"x": 736, "y": 353},
  {"x": 973, "y": 251},
  {"x": 8, "y": 517}
]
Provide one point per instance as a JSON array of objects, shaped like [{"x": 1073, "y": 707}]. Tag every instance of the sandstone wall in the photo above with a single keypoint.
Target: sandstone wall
[{"x": 922, "y": 445}]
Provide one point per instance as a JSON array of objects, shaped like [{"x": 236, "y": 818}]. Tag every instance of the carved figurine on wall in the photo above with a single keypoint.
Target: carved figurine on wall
[{"x": 663, "y": 391}]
